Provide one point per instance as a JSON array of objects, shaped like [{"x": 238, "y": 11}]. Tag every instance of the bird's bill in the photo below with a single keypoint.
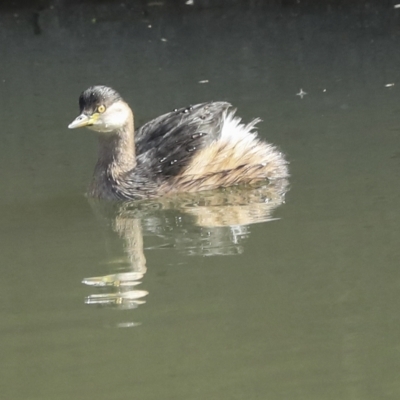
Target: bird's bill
[{"x": 83, "y": 120}]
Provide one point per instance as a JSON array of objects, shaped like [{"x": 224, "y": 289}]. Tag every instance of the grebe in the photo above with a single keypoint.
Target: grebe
[{"x": 201, "y": 147}]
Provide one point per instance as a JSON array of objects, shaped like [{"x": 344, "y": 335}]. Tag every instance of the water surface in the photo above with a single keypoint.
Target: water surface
[{"x": 296, "y": 301}]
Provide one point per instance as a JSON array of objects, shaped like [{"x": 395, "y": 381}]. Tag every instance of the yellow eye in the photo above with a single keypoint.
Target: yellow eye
[{"x": 101, "y": 109}]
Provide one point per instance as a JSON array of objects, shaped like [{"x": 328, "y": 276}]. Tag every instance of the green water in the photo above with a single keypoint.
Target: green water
[{"x": 302, "y": 306}]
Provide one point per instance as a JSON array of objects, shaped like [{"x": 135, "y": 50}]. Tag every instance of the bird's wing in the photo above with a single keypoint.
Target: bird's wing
[{"x": 166, "y": 145}]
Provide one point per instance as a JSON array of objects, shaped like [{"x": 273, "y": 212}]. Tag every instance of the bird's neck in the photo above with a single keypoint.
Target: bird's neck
[{"x": 117, "y": 151}]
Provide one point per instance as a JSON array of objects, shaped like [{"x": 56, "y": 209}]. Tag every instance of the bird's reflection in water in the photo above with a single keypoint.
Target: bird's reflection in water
[{"x": 204, "y": 223}]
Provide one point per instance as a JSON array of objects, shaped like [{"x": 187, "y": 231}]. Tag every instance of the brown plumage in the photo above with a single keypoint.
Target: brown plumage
[{"x": 200, "y": 147}]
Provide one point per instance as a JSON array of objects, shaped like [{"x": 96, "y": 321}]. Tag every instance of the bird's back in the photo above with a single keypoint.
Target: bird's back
[
  {"x": 166, "y": 145},
  {"x": 203, "y": 147}
]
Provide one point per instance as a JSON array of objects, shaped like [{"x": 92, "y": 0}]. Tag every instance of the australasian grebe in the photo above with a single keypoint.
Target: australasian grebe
[{"x": 200, "y": 147}]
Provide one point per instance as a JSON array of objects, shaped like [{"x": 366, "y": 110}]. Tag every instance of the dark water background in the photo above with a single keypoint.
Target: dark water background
[{"x": 305, "y": 306}]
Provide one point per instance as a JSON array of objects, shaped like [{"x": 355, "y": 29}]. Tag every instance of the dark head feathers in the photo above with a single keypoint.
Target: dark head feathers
[{"x": 94, "y": 96}]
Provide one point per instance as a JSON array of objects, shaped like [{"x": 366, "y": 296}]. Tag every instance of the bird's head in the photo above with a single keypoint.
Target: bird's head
[{"x": 102, "y": 109}]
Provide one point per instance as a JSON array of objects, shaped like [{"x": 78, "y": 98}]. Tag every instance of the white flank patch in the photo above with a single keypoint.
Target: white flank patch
[{"x": 234, "y": 131}]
